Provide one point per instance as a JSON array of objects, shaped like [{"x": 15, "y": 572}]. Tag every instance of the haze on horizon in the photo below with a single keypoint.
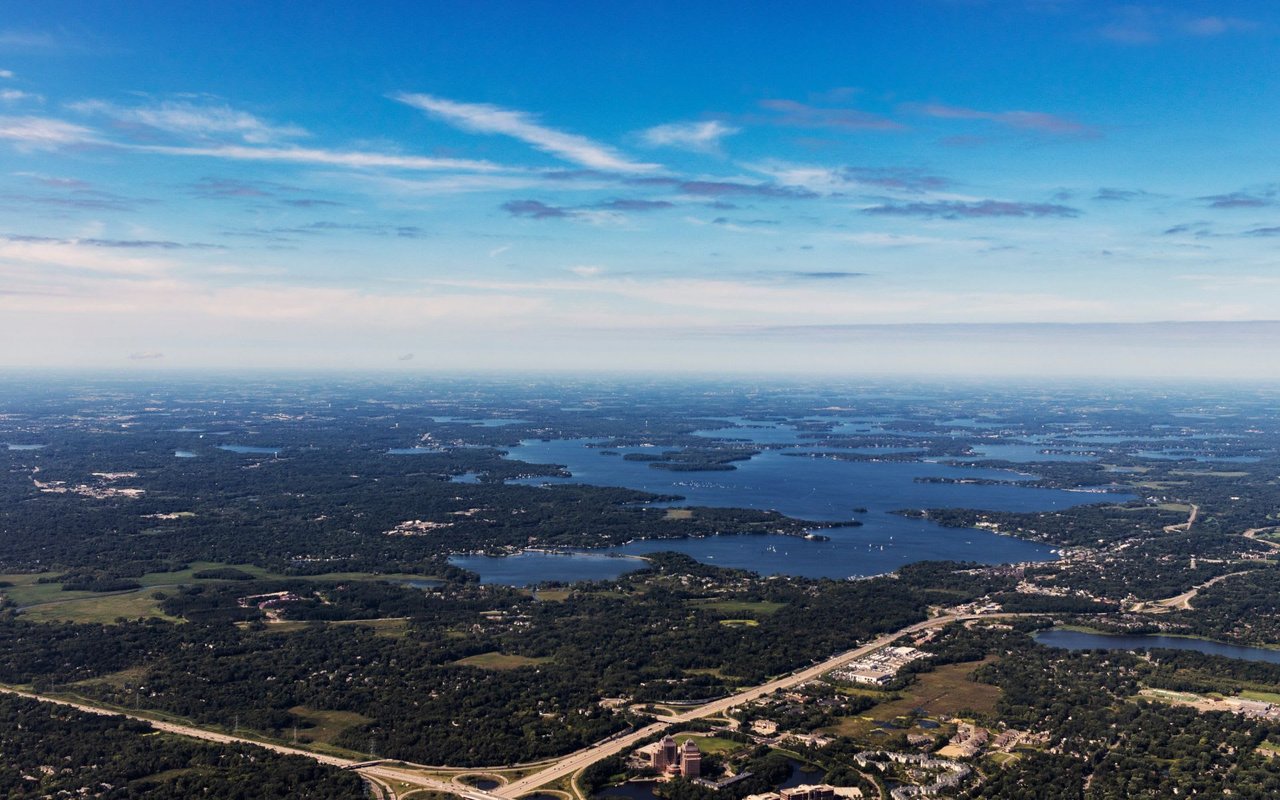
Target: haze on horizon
[{"x": 975, "y": 188}]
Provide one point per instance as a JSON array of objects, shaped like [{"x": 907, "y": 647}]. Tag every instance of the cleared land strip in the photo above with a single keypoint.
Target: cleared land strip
[{"x": 1183, "y": 601}]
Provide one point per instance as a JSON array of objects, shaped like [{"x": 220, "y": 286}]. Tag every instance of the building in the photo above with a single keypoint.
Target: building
[
  {"x": 690, "y": 760},
  {"x": 668, "y": 758},
  {"x": 806, "y": 791}
]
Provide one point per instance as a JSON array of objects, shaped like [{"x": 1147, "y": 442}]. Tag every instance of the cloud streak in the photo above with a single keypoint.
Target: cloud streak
[
  {"x": 521, "y": 125},
  {"x": 700, "y": 137},
  {"x": 976, "y": 209},
  {"x": 1032, "y": 121}
]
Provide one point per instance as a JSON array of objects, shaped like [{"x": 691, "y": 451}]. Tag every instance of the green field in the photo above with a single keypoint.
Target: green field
[
  {"x": 500, "y": 661},
  {"x": 711, "y": 744},
  {"x": 101, "y": 609},
  {"x": 326, "y": 725},
  {"x": 746, "y": 608},
  {"x": 945, "y": 692},
  {"x": 46, "y": 602}
]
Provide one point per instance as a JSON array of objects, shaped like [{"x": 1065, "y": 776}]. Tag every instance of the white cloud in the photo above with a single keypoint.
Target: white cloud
[
  {"x": 71, "y": 254},
  {"x": 306, "y": 155},
  {"x": 189, "y": 119},
  {"x": 42, "y": 133},
  {"x": 6, "y": 74},
  {"x": 586, "y": 271},
  {"x": 703, "y": 137},
  {"x": 14, "y": 95},
  {"x": 485, "y": 118}
]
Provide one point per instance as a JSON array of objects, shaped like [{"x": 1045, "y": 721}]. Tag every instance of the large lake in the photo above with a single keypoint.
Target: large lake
[
  {"x": 1082, "y": 640},
  {"x": 801, "y": 483}
]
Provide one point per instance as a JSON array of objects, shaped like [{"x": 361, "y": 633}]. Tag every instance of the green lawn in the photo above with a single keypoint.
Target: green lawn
[
  {"x": 326, "y": 725},
  {"x": 749, "y": 608},
  {"x": 711, "y": 744},
  {"x": 100, "y": 609},
  {"x": 500, "y": 661}
]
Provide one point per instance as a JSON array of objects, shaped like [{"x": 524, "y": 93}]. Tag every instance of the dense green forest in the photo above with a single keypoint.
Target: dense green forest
[{"x": 54, "y": 751}]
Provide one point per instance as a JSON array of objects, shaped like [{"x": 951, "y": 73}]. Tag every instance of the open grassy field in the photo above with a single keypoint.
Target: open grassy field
[
  {"x": 326, "y": 725},
  {"x": 46, "y": 602},
  {"x": 100, "y": 609},
  {"x": 679, "y": 513},
  {"x": 945, "y": 692},
  {"x": 711, "y": 744},
  {"x": 746, "y": 608},
  {"x": 740, "y": 623},
  {"x": 500, "y": 661}
]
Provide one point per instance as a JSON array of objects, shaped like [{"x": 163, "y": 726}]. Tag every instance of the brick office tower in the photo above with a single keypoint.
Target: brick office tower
[
  {"x": 670, "y": 754},
  {"x": 690, "y": 760}
]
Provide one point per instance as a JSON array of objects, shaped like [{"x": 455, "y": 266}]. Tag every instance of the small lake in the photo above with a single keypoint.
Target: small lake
[
  {"x": 245, "y": 449},
  {"x": 528, "y": 568},
  {"x": 411, "y": 451},
  {"x": 466, "y": 477},
  {"x": 476, "y": 422},
  {"x": 1081, "y": 640},
  {"x": 183, "y": 454}
]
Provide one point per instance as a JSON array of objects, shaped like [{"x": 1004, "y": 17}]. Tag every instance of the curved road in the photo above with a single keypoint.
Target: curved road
[{"x": 403, "y": 772}]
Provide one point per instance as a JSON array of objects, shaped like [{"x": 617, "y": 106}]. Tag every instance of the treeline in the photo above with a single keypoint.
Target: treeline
[{"x": 55, "y": 751}]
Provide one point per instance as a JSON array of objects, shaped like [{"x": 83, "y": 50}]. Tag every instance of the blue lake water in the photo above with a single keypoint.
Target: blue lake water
[
  {"x": 245, "y": 449},
  {"x": 412, "y": 451},
  {"x": 1025, "y": 453},
  {"x": 1080, "y": 640},
  {"x": 493, "y": 422},
  {"x": 26, "y": 446},
  {"x": 811, "y": 488},
  {"x": 820, "y": 489},
  {"x": 183, "y": 454},
  {"x": 466, "y": 477}
]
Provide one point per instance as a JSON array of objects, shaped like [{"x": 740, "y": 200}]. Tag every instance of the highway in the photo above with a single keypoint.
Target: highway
[
  {"x": 383, "y": 772},
  {"x": 586, "y": 757}
]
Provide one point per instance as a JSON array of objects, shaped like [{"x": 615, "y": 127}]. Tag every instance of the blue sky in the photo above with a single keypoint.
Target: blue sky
[{"x": 939, "y": 186}]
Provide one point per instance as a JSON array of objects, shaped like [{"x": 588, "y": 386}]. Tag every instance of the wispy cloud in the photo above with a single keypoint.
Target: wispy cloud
[
  {"x": 17, "y": 95},
  {"x": 1121, "y": 195},
  {"x": 1256, "y": 199},
  {"x": 957, "y": 209},
  {"x": 316, "y": 156},
  {"x": 1147, "y": 24},
  {"x": 146, "y": 355},
  {"x": 535, "y": 209},
  {"x": 26, "y": 41},
  {"x": 77, "y": 255},
  {"x": 1034, "y": 121},
  {"x": 6, "y": 74},
  {"x": 43, "y": 133},
  {"x": 490, "y": 119},
  {"x": 792, "y": 113},
  {"x": 702, "y": 137},
  {"x": 189, "y": 120},
  {"x": 735, "y": 188}
]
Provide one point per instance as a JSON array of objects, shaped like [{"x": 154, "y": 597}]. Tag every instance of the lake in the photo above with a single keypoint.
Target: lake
[
  {"x": 1081, "y": 640},
  {"x": 245, "y": 449},
  {"x": 802, "y": 483}
]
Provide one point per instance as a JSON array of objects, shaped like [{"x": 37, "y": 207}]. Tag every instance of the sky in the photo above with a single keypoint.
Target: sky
[{"x": 1012, "y": 187}]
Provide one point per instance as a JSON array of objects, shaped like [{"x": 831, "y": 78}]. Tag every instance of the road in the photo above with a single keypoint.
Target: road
[
  {"x": 386, "y": 772},
  {"x": 585, "y": 758},
  {"x": 1182, "y": 527},
  {"x": 377, "y": 773},
  {"x": 1183, "y": 601}
]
